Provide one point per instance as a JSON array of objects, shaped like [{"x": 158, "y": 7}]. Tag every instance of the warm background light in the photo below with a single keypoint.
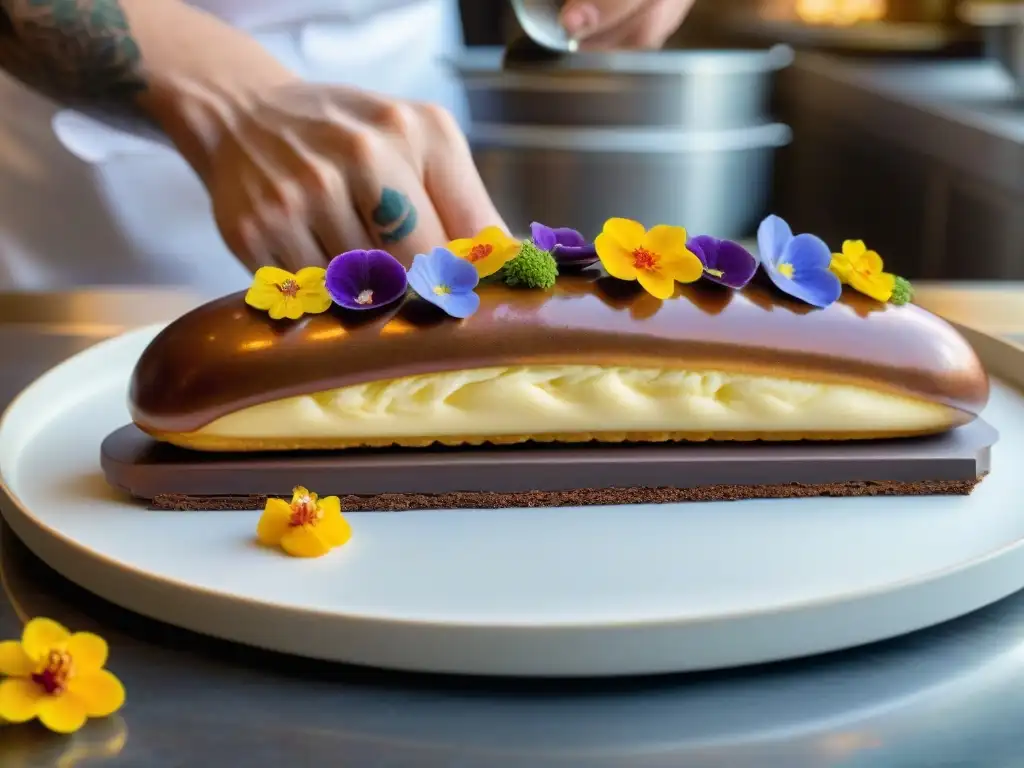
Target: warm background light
[
  {"x": 840, "y": 12},
  {"x": 827, "y": 12}
]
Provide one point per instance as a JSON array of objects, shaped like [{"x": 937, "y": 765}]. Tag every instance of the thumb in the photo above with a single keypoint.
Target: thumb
[{"x": 585, "y": 18}]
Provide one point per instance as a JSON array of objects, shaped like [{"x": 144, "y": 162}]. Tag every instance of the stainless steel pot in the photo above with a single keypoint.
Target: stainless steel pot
[
  {"x": 1003, "y": 25},
  {"x": 710, "y": 182},
  {"x": 686, "y": 90}
]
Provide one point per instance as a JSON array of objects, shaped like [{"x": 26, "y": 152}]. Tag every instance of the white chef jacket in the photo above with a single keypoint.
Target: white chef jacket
[{"x": 83, "y": 204}]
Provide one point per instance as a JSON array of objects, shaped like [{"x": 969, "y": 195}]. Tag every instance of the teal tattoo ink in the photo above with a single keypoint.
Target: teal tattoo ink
[
  {"x": 78, "y": 49},
  {"x": 395, "y": 217}
]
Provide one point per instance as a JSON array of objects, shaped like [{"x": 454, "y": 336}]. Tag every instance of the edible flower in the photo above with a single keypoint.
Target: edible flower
[
  {"x": 657, "y": 259},
  {"x": 286, "y": 295},
  {"x": 446, "y": 281},
  {"x": 57, "y": 677},
  {"x": 570, "y": 249},
  {"x": 798, "y": 265},
  {"x": 365, "y": 279},
  {"x": 864, "y": 271},
  {"x": 490, "y": 250},
  {"x": 725, "y": 262},
  {"x": 306, "y": 526}
]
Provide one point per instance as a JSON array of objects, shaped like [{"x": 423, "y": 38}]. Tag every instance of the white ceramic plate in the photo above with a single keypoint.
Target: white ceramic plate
[{"x": 571, "y": 591}]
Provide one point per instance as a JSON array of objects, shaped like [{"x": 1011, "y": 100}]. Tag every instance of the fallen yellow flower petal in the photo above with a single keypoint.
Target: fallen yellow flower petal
[
  {"x": 305, "y": 527},
  {"x": 57, "y": 677}
]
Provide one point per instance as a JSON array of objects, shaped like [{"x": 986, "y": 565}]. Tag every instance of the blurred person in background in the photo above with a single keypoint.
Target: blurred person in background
[{"x": 188, "y": 143}]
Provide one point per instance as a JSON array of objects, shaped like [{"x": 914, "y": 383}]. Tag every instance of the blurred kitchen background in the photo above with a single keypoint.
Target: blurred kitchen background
[{"x": 894, "y": 121}]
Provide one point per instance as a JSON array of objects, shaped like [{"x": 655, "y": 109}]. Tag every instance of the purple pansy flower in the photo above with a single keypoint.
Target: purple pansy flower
[
  {"x": 798, "y": 265},
  {"x": 446, "y": 281},
  {"x": 725, "y": 262},
  {"x": 568, "y": 246},
  {"x": 365, "y": 279}
]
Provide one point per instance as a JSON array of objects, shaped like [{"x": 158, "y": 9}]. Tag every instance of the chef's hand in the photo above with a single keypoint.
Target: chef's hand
[
  {"x": 606, "y": 24},
  {"x": 297, "y": 173},
  {"x": 305, "y": 172}
]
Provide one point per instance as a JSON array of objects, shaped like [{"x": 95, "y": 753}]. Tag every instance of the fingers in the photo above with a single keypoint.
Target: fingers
[
  {"x": 451, "y": 179},
  {"x": 648, "y": 29},
  {"x": 399, "y": 215},
  {"x": 337, "y": 227},
  {"x": 290, "y": 241},
  {"x": 333, "y": 222},
  {"x": 277, "y": 226},
  {"x": 633, "y": 24},
  {"x": 335, "y": 170},
  {"x": 585, "y": 18},
  {"x": 267, "y": 223},
  {"x": 268, "y": 241},
  {"x": 244, "y": 240},
  {"x": 384, "y": 179},
  {"x": 436, "y": 149}
]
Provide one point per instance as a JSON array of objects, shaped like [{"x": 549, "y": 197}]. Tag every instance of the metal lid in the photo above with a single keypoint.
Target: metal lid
[
  {"x": 491, "y": 60},
  {"x": 628, "y": 140}
]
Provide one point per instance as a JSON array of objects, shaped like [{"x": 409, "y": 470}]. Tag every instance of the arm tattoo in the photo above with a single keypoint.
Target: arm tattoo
[
  {"x": 395, "y": 217},
  {"x": 77, "y": 50}
]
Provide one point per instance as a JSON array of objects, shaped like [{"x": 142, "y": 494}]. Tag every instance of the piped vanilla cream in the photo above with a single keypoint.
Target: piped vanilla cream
[{"x": 513, "y": 403}]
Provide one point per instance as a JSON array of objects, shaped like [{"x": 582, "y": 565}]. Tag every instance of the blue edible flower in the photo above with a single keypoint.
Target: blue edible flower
[
  {"x": 798, "y": 265},
  {"x": 446, "y": 281}
]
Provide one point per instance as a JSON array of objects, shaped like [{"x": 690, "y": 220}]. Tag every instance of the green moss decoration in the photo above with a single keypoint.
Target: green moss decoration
[
  {"x": 902, "y": 292},
  {"x": 532, "y": 268}
]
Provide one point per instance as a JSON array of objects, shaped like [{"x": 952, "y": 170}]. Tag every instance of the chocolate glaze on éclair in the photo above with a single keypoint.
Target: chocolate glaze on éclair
[{"x": 225, "y": 356}]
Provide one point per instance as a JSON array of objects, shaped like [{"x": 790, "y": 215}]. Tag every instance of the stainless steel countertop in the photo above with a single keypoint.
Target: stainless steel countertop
[{"x": 951, "y": 696}]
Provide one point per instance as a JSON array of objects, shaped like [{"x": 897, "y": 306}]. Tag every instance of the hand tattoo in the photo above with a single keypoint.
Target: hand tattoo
[
  {"x": 71, "y": 49},
  {"x": 394, "y": 218}
]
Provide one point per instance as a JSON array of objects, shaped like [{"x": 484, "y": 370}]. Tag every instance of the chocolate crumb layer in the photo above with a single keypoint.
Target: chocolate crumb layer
[{"x": 408, "y": 502}]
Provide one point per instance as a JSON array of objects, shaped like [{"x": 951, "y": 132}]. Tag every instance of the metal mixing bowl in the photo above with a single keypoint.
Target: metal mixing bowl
[
  {"x": 712, "y": 183},
  {"x": 686, "y": 90}
]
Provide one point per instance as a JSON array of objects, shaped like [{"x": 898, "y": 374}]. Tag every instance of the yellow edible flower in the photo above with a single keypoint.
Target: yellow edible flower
[
  {"x": 285, "y": 295},
  {"x": 863, "y": 271},
  {"x": 306, "y": 526},
  {"x": 57, "y": 677},
  {"x": 489, "y": 251},
  {"x": 657, "y": 258}
]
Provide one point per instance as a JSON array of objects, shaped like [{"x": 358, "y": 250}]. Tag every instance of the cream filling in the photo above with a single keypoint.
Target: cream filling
[{"x": 537, "y": 400}]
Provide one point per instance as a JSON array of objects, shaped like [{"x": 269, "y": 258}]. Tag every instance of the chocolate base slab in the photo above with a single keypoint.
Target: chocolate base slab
[{"x": 396, "y": 479}]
